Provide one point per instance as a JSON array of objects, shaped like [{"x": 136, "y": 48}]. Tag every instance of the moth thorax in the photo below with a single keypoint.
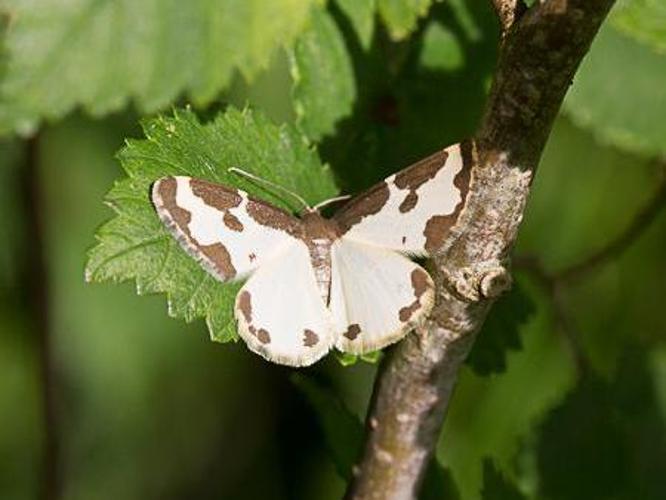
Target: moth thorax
[
  {"x": 320, "y": 234},
  {"x": 317, "y": 227}
]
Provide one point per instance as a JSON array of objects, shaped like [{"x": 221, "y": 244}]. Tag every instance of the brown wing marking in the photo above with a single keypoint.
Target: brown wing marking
[
  {"x": 415, "y": 175},
  {"x": 367, "y": 203},
  {"x": 438, "y": 226},
  {"x": 178, "y": 219}
]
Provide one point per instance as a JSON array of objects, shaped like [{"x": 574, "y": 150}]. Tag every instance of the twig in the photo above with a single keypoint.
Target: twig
[
  {"x": 617, "y": 246},
  {"x": 38, "y": 304},
  {"x": 538, "y": 59}
]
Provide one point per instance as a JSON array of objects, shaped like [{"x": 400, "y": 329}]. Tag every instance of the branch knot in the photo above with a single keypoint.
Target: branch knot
[{"x": 485, "y": 280}]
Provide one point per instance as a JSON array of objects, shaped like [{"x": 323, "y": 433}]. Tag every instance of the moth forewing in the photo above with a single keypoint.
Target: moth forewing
[
  {"x": 413, "y": 210},
  {"x": 227, "y": 231}
]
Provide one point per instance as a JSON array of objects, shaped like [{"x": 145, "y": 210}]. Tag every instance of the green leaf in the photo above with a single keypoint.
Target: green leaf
[
  {"x": 607, "y": 439},
  {"x": 324, "y": 88},
  {"x": 438, "y": 484},
  {"x": 492, "y": 416},
  {"x": 136, "y": 245},
  {"x": 361, "y": 13},
  {"x": 99, "y": 54},
  {"x": 441, "y": 49},
  {"x": 401, "y": 16},
  {"x": 343, "y": 433},
  {"x": 398, "y": 118},
  {"x": 501, "y": 332},
  {"x": 620, "y": 94},
  {"x": 347, "y": 359},
  {"x": 496, "y": 486},
  {"x": 643, "y": 20}
]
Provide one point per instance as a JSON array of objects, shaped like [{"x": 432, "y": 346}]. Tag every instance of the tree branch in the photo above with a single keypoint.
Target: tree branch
[{"x": 538, "y": 59}]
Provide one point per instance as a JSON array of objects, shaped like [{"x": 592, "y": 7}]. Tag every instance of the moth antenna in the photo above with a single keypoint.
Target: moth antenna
[
  {"x": 331, "y": 200},
  {"x": 266, "y": 182}
]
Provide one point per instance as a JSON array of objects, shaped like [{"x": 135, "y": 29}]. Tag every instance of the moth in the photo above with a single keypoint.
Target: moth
[{"x": 314, "y": 283}]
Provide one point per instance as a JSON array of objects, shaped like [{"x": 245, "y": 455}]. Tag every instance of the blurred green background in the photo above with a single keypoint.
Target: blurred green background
[{"x": 565, "y": 395}]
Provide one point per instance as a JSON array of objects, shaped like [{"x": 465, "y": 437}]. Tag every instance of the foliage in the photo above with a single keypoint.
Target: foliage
[
  {"x": 496, "y": 486},
  {"x": 374, "y": 85},
  {"x": 135, "y": 245},
  {"x": 500, "y": 332},
  {"x": 622, "y": 107},
  {"x": 323, "y": 77},
  {"x": 149, "y": 51},
  {"x": 644, "y": 20},
  {"x": 607, "y": 438}
]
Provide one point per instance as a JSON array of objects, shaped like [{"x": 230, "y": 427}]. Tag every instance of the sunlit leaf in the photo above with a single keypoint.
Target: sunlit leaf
[
  {"x": 361, "y": 13},
  {"x": 619, "y": 93},
  {"x": 136, "y": 245},
  {"x": 324, "y": 87},
  {"x": 644, "y": 20},
  {"x": 101, "y": 54},
  {"x": 401, "y": 16}
]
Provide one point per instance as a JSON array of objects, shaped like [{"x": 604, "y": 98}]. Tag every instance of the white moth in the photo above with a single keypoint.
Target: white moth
[{"x": 317, "y": 283}]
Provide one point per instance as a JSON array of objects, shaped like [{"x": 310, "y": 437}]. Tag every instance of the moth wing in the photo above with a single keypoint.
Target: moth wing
[
  {"x": 280, "y": 312},
  {"x": 413, "y": 210},
  {"x": 377, "y": 296},
  {"x": 223, "y": 228}
]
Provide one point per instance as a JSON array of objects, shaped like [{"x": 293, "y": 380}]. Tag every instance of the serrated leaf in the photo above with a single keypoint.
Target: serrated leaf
[
  {"x": 623, "y": 108},
  {"x": 496, "y": 486},
  {"x": 492, "y": 416},
  {"x": 324, "y": 88},
  {"x": 607, "y": 439},
  {"x": 644, "y": 20},
  {"x": 401, "y": 16},
  {"x": 135, "y": 244},
  {"x": 361, "y": 13},
  {"x": 501, "y": 332},
  {"x": 343, "y": 433},
  {"x": 99, "y": 54}
]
